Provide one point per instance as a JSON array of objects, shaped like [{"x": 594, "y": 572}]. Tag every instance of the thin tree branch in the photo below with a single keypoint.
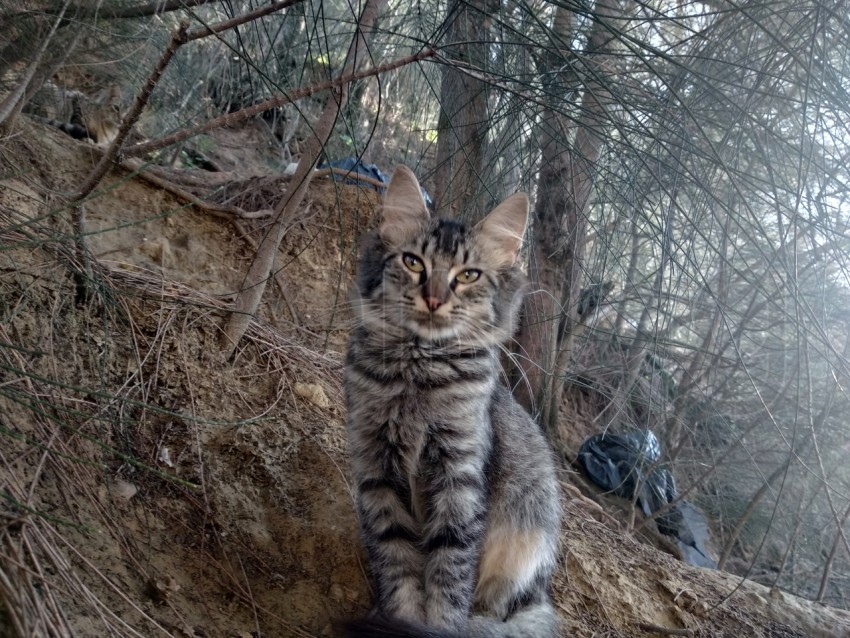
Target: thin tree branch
[
  {"x": 254, "y": 285},
  {"x": 156, "y": 7},
  {"x": 231, "y": 119},
  {"x": 827, "y": 568},
  {"x": 178, "y": 38},
  {"x": 7, "y": 107},
  {"x": 203, "y": 32}
]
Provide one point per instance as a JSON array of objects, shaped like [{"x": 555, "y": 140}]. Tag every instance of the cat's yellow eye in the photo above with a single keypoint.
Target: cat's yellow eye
[
  {"x": 467, "y": 276},
  {"x": 413, "y": 262}
]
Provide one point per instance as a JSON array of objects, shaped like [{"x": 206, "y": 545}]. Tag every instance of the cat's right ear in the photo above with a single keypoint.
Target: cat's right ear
[
  {"x": 502, "y": 230},
  {"x": 405, "y": 212}
]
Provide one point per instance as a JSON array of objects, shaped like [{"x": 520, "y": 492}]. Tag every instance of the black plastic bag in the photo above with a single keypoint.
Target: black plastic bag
[{"x": 628, "y": 464}]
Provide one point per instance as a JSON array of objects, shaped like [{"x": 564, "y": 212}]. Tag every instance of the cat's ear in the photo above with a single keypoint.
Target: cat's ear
[
  {"x": 502, "y": 230},
  {"x": 405, "y": 212}
]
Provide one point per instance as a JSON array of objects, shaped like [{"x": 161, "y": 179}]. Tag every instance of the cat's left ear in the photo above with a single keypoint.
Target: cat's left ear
[{"x": 502, "y": 230}]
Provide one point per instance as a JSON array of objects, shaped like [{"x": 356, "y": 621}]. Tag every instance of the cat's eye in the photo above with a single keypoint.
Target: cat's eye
[
  {"x": 467, "y": 276},
  {"x": 413, "y": 262}
]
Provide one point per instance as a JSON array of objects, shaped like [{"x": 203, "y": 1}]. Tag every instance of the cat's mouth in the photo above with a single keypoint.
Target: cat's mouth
[
  {"x": 432, "y": 325},
  {"x": 431, "y": 332}
]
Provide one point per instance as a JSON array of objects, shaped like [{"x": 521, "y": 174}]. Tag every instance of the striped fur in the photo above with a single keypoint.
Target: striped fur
[
  {"x": 82, "y": 117},
  {"x": 456, "y": 489}
]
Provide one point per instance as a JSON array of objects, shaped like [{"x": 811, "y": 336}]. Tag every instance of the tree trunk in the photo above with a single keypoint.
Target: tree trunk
[
  {"x": 251, "y": 293},
  {"x": 569, "y": 153},
  {"x": 462, "y": 121}
]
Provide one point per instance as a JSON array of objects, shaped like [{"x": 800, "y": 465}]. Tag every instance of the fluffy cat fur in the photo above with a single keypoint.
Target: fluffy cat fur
[
  {"x": 456, "y": 490},
  {"x": 96, "y": 118}
]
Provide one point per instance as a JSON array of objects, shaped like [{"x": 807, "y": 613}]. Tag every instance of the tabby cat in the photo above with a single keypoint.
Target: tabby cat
[
  {"x": 96, "y": 117},
  {"x": 456, "y": 490}
]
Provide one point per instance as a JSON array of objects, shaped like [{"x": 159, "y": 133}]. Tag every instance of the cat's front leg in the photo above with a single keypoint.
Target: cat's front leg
[
  {"x": 393, "y": 545},
  {"x": 455, "y": 498}
]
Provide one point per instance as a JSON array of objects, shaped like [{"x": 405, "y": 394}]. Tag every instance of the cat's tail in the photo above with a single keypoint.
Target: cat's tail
[
  {"x": 77, "y": 131},
  {"x": 384, "y": 627},
  {"x": 534, "y": 621}
]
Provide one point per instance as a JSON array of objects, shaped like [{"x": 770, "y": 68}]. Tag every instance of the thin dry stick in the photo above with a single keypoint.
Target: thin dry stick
[
  {"x": 349, "y": 174},
  {"x": 41, "y": 77},
  {"x": 181, "y": 36},
  {"x": 827, "y": 568},
  {"x": 278, "y": 276},
  {"x": 203, "y": 32},
  {"x": 31, "y": 538},
  {"x": 255, "y": 281},
  {"x": 231, "y": 213},
  {"x": 655, "y": 629},
  {"x": 156, "y": 7},
  {"x": 231, "y": 119},
  {"x": 224, "y": 212},
  {"x": 178, "y": 38},
  {"x": 7, "y": 107},
  {"x": 83, "y": 276}
]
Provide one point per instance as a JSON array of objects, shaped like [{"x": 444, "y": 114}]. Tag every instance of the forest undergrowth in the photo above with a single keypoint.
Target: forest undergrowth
[{"x": 175, "y": 295}]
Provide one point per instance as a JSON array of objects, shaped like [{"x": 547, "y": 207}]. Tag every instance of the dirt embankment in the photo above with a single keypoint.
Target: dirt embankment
[{"x": 151, "y": 488}]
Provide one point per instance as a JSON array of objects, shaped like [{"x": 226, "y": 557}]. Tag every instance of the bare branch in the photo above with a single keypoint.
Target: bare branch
[
  {"x": 157, "y": 7},
  {"x": 240, "y": 116},
  {"x": 203, "y": 32},
  {"x": 178, "y": 38},
  {"x": 7, "y": 107},
  {"x": 252, "y": 290}
]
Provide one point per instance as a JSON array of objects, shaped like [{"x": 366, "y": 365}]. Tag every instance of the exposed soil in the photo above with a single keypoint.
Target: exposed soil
[{"x": 152, "y": 488}]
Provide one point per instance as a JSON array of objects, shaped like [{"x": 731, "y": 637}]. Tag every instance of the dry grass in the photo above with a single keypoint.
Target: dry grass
[{"x": 62, "y": 443}]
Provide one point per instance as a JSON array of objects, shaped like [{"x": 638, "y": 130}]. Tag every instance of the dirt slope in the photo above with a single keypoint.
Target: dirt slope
[{"x": 152, "y": 489}]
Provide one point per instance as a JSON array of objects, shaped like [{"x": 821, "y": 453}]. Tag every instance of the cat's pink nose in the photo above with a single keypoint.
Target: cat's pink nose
[{"x": 433, "y": 303}]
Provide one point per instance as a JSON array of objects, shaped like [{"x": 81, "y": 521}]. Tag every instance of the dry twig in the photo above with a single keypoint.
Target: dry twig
[
  {"x": 251, "y": 292},
  {"x": 236, "y": 117}
]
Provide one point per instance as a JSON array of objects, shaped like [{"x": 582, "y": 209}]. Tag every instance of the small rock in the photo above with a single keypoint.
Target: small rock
[
  {"x": 160, "y": 589},
  {"x": 165, "y": 456},
  {"x": 125, "y": 490},
  {"x": 337, "y": 593},
  {"x": 314, "y": 393},
  {"x": 159, "y": 250}
]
